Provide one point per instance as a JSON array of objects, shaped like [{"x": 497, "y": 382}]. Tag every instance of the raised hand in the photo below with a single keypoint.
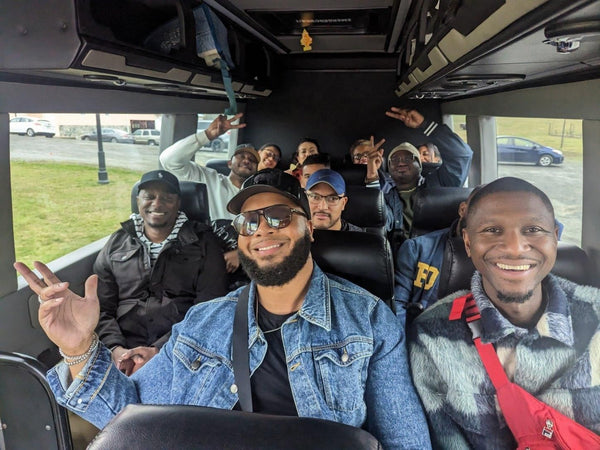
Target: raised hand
[
  {"x": 375, "y": 158},
  {"x": 222, "y": 124},
  {"x": 68, "y": 319},
  {"x": 410, "y": 117}
]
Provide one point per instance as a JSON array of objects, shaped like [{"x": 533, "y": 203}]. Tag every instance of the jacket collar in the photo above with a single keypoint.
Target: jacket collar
[
  {"x": 316, "y": 307},
  {"x": 555, "y": 322}
]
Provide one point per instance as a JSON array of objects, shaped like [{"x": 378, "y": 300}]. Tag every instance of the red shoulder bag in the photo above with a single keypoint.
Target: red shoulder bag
[{"x": 533, "y": 424}]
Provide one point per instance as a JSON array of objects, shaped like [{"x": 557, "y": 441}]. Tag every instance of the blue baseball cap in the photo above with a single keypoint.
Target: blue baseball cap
[{"x": 330, "y": 177}]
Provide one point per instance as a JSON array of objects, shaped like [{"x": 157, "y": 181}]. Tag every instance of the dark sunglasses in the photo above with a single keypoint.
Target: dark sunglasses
[{"x": 276, "y": 216}]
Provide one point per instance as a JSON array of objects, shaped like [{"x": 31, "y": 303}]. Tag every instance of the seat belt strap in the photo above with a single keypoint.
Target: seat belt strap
[
  {"x": 241, "y": 357},
  {"x": 466, "y": 305},
  {"x": 225, "y": 75}
]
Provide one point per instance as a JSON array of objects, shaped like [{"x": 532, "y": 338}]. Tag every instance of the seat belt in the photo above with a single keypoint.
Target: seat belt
[{"x": 241, "y": 357}]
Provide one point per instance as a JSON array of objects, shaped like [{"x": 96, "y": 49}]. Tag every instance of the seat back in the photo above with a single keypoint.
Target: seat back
[
  {"x": 457, "y": 269},
  {"x": 364, "y": 259},
  {"x": 365, "y": 208},
  {"x": 143, "y": 427},
  {"x": 194, "y": 200},
  {"x": 436, "y": 208},
  {"x": 353, "y": 174},
  {"x": 220, "y": 165},
  {"x": 30, "y": 417}
]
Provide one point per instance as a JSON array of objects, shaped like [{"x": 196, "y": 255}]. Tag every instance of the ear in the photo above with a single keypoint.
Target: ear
[
  {"x": 462, "y": 208},
  {"x": 310, "y": 227},
  {"x": 344, "y": 202},
  {"x": 229, "y": 164},
  {"x": 467, "y": 242}
]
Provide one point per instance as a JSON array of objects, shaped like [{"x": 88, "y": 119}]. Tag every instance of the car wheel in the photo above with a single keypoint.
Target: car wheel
[
  {"x": 151, "y": 142},
  {"x": 30, "y": 132},
  {"x": 217, "y": 145},
  {"x": 49, "y": 135},
  {"x": 545, "y": 160},
  {"x": 85, "y": 138},
  {"x": 114, "y": 140}
]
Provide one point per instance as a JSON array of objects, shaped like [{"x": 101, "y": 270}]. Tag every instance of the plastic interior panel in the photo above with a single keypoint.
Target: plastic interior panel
[{"x": 454, "y": 44}]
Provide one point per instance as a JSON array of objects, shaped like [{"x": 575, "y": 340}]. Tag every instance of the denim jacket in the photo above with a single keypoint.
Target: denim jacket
[{"x": 345, "y": 354}]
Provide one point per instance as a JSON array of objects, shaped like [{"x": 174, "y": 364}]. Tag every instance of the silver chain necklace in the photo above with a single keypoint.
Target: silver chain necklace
[{"x": 268, "y": 331}]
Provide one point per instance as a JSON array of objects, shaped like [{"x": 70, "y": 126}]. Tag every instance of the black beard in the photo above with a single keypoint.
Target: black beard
[
  {"x": 506, "y": 298},
  {"x": 281, "y": 273}
]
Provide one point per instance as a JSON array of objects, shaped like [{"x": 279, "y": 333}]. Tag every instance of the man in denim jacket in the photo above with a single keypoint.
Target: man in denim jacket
[{"x": 319, "y": 346}]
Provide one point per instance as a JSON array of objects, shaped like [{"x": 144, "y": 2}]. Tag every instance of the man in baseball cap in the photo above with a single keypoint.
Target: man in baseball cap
[{"x": 326, "y": 192}]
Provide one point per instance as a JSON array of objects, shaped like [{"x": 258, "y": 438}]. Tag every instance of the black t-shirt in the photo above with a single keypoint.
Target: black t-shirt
[{"x": 271, "y": 392}]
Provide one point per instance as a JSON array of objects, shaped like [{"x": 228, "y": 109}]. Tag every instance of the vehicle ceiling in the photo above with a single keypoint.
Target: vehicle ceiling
[{"x": 439, "y": 49}]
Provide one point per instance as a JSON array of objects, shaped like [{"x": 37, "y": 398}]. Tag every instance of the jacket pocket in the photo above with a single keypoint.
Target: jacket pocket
[{"x": 342, "y": 372}]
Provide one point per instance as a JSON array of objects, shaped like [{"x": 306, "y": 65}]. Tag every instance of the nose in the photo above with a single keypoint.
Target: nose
[
  {"x": 515, "y": 242},
  {"x": 263, "y": 227}
]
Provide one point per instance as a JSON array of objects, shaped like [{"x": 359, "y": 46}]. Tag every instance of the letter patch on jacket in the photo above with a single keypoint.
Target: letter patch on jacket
[{"x": 426, "y": 276}]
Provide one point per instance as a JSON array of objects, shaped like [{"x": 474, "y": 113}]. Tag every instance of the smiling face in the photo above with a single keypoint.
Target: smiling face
[
  {"x": 272, "y": 257},
  {"x": 511, "y": 238},
  {"x": 243, "y": 164},
  {"x": 306, "y": 149},
  {"x": 404, "y": 169},
  {"x": 269, "y": 157},
  {"x": 157, "y": 206}
]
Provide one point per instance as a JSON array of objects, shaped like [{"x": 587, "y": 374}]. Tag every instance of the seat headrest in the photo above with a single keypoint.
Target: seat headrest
[
  {"x": 364, "y": 259},
  {"x": 194, "y": 200},
  {"x": 353, "y": 174},
  {"x": 220, "y": 165},
  {"x": 365, "y": 207},
  {"x": 184, "y": 426},
  {"x": 457, "y": 269},
  {"x": 435, "y": 208}
]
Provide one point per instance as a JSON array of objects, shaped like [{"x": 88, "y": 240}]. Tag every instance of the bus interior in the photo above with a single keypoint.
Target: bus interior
[{"x": 325, "y": 69}]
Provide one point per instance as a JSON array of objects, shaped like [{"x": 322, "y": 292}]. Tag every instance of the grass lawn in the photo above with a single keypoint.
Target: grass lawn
[
  {"x": 543, "y": 131},
  {"x": 58, "y": 208}
]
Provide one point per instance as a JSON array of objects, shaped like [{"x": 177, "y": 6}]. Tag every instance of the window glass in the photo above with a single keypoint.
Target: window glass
[
  {"x": 223, "y": 143},
  {"x": 58, "y": 203},
  {"x": 548, "y": 154}
]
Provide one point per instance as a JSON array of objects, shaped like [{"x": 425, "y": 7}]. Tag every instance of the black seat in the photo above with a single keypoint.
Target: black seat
[
  {"x": 220, "y": 165},
  {"x": 457, "y": 269},
  {"x": 147, "y": 427},
  {"x": 362, "y": 258},
  {"x": 194, "y": 200},
  {"x": 353, "y": 174},
  {"x": 365, "y": 208},
  {"x": 30, "y": 417},
  {"x": 436, "y": 208}
]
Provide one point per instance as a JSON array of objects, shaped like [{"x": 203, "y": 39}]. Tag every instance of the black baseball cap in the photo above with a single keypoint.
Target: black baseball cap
[
  {"x": 270, "y": 180},
  {"x": 161, "y": 176}
]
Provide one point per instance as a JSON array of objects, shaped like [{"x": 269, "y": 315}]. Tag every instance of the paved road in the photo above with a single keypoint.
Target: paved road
[
  {"x": 126, "y": 156},
  {"x": 562, "y": 183}
]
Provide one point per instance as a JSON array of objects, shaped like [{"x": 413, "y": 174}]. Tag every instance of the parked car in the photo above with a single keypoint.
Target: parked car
[
  {"x": 221, "y": 144},
  {"x": 32, "y": 126},
  {"x": 110, "y": 135},
  {"x": 522, "y": 150},
  {"x": 148, "y": 137}
]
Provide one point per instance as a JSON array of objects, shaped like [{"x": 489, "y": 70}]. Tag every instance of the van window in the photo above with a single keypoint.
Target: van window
[{"x": 548, "y": 153}]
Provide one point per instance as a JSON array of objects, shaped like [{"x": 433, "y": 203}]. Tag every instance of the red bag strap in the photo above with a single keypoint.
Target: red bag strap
[{"x": 466, "y": 305}]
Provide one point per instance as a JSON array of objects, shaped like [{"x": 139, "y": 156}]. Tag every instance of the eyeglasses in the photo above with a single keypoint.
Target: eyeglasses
[
  {"x": 330, "y": 199},
  {"x": 360, "y": 156},
  {"x": 397, "y": 159},
  {"x": 271, "y": 155},
  {"x": 276, "y": 216}
]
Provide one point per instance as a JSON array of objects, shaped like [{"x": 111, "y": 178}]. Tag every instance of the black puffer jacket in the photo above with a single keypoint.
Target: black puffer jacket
[{"x": 140, "y": 304}]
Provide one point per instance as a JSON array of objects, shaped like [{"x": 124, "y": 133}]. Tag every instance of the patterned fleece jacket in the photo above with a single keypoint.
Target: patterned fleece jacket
[{"x": 557, "y": 361}]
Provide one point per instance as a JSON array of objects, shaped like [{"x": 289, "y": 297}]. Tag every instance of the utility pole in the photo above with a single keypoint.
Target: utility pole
[{"x": 102, "y": 173}]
